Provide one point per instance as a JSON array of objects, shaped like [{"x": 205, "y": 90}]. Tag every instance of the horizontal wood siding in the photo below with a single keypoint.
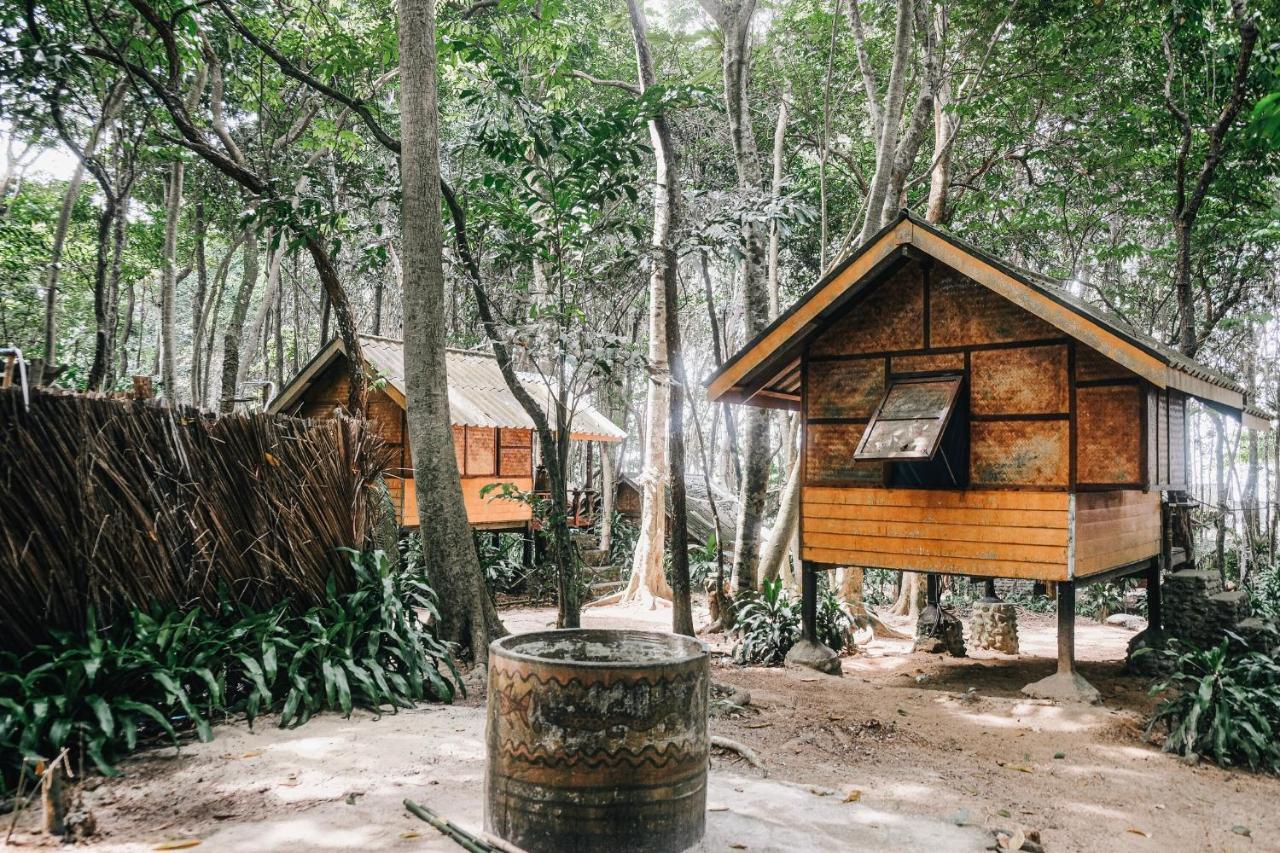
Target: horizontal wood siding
[
  {"x": 1115, "y": 529},
  {"x": 1021, "y": 534},
  {"x": 488, "y": 510}
]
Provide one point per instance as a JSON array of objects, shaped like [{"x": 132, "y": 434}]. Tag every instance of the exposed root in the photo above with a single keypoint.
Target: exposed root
[{"x": 748, "y": 754}]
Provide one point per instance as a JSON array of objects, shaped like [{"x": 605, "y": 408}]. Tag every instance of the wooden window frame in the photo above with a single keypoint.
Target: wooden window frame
[{"x": 954, "y": 382}]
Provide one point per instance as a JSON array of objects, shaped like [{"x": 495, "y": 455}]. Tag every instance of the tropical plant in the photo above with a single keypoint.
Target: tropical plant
[
  {"x": 167, "y": 674},
  {"x": 767, "y": 625},
  {"x": 703, "y": 561},
  {"x": 834, "y": 626},
  {"x": 502, "y": 559},
  {"x": 1101, "y": 600},
  {"x": 1221, "y": 703}
]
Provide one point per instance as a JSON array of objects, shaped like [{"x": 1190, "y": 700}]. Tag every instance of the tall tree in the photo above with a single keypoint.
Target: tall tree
[
  {"x": 467, "y": 615},
  {"x": 733, "y": 17}
]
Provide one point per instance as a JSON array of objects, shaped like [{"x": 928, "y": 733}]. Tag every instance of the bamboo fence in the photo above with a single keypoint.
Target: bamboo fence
[{"x": 110, "y": 504}]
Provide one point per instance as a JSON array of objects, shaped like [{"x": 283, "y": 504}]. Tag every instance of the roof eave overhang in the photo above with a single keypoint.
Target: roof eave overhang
[{"x": 745, "y": 378}]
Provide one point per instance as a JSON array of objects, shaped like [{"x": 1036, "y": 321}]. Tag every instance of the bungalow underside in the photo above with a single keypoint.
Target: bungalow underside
[{"x": 1036, "y": 535}]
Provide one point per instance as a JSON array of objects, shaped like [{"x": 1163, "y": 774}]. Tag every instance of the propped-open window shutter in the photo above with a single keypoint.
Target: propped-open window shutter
[{"x": 910, "y": 420}]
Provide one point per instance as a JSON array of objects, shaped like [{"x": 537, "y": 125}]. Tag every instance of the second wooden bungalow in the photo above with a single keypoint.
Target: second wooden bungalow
[{"x": 962, "y": 416}]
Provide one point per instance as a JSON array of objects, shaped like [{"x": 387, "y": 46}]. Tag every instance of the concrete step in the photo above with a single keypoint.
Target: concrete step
[
  {"x": 602, "y": 573},
  {"x": 602, "y": 588}
]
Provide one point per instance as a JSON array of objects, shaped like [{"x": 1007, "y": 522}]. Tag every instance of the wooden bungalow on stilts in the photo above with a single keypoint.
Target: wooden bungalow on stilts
[
  {"x": 961, "y": 416},
  {"x": 492, "y": 436}
]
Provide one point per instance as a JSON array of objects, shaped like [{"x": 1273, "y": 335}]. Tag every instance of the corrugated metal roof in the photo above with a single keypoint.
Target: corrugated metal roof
[{"x": 478, "y": 394}]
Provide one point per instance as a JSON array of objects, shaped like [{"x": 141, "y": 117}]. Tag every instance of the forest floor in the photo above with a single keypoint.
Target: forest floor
[{"x": 904, "y": 752}]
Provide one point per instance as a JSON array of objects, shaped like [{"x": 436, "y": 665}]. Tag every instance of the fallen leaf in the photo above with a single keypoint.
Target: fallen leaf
[
  {"x": 271, "y": 460},
  {"x": 757, "y": 725},
  {"x": 853, "y": 796},
  {"x": 180, "y": 844},
  {"x": 252, "y": 754},
  {"x": 1021, "y": 768},
  {"x": 1242, "y": 830},
  {"x": 1059, "y": 755},
  {"x": 411, "y": 834},
  {"x": 734, "y": 845},
  {"x": 1137, "y": 831},
  {"x": 1005, "y": 813},
  {"x": 803, "y": 679}
]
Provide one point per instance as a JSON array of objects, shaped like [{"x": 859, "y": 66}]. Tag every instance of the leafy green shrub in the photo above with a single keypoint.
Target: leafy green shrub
[
  {"x": 502, "y": 561},
  {"x": 834, "y": 627},
  {"x": 702, "y": 561},
  {"x": 767, "y": 625},
  {"x": 1222, "y": 703},
  {"x": 165, "y": 674},
  {"x": 1100, "y": 600},
  {"x": 622, "y": 542}
]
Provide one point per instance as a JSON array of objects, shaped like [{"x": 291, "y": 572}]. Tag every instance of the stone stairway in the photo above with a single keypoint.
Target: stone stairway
[{"x": 602, "y": 578}]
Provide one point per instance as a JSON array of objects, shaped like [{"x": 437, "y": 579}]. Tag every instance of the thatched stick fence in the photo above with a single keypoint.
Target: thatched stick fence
[{"x": 113, "y": 503}]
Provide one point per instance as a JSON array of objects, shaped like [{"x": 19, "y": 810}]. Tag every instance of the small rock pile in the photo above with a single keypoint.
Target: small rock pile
[{"x": 993, "y": 624}]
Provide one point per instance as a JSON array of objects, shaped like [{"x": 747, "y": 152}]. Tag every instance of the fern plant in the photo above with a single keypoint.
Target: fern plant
[
  {"x": 767, "y": 625},
  {"x": 1222, "y": 703},
  {"x": 834, "y": 627},
  {"x": 165, "y": 674}
]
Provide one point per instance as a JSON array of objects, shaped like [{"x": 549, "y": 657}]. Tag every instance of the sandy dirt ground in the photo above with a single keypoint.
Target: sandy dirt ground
[{"x": 904, "y": 752}]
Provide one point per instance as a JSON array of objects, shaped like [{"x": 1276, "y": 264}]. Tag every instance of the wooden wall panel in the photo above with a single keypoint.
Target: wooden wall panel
[
  {"x": 1021, "y": 534},
  {"x": 846, "y": 388},
  {"x": 1030, "y": 380},
  {"x": 487, "y": 511},
  {"x": 1109, "y": 437},
  {"x": 515, "y": 462},
  {"x": 1019, "y": 453},
  {"x": 1115, "y": 528},
  {"x": 460, "y": 448},
  {"x": 1177, "y": 439},
  {"x": 481, "y": 461},
  {"x": 1092, "y": 366},
  {"x": 891, "y": 317},
  {"x": 1162, "y": 425},
  {"x": 829, "y": 455},
  {"x": 1152, "y": 473},
  {"x": 933, "y": 363},
  {"x": 963, "y": 312}
]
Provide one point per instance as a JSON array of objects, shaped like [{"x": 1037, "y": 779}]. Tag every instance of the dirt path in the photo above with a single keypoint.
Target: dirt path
[{"x": 921, "y": 744}]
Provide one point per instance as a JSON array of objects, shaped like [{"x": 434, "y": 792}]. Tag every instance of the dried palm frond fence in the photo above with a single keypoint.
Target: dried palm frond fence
[{"x": 110, "y": 503}]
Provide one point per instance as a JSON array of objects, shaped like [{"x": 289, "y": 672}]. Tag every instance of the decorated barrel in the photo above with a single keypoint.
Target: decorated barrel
[{"x": 597, "y": 741}]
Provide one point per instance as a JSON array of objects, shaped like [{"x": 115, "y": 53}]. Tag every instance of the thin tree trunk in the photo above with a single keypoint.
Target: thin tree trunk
[
  {"x": 110, "y": 109},
  {"x": 887, "y": 144},
  {"x": 169, "y": 282},
  {"x": 648, "y": 577},
  {"x": 254, "y": 335},
  {"x": 200, "y": 235},
  {"x": 734, "y": 20},
  {"x": 466, "y": 615},
  {"x": 234, "y": 331}
]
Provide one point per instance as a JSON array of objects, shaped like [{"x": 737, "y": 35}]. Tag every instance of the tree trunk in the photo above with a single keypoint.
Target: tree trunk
[
  {"x": 169, "y": 282},
  {"x": 110, "y": 109},
  {"x": 234, "y": 331},
  {"x": 466, "y": 613},
  {"x": 198, "y": 303},
  {"x": 887, "y": 144},
  {"x": 734, "y": 20},
  {"x": 254, "y": 336}
]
